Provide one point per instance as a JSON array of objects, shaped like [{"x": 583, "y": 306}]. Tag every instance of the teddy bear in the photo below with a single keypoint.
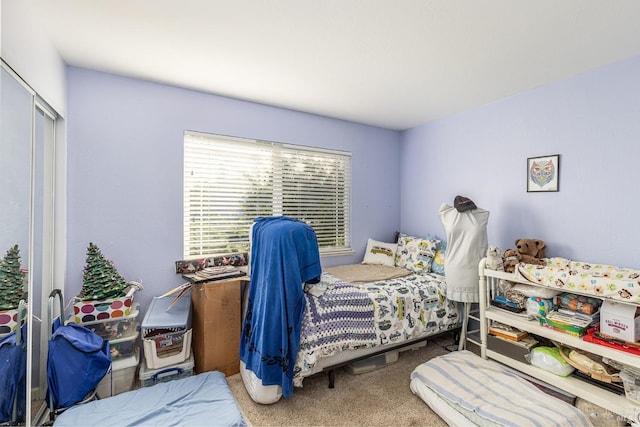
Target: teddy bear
[
  {"x": 494, "y": 258},
  {"x": 528, "y": 251}
]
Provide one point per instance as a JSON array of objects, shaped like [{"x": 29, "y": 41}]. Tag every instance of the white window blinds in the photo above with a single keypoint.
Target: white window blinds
[{"x": 228, "y": 182}]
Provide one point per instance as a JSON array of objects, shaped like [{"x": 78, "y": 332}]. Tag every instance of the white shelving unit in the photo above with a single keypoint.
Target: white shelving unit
[{"x": 489, "y": 280}]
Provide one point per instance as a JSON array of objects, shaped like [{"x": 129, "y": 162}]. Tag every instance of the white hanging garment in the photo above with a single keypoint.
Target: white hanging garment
[{"x": 467, "y": 244}]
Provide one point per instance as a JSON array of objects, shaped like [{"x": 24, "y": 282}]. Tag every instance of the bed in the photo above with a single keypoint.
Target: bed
[
  {"x": 300, "y": 320},
  {"x": 350, "y": 320},
  {"x": 492, "y": 395},
  {"x": 199, "y": 400},
  {"x": 346, "y": 321}
]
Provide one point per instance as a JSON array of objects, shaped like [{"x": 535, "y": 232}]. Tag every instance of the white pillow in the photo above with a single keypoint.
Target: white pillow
[{"x": 380, "y": 253}]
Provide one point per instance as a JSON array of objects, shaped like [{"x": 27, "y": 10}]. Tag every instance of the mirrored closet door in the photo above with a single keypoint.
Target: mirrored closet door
[{"x": 27, "y": 146}]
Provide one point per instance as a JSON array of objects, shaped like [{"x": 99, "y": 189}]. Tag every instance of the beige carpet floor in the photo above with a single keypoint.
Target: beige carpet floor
[{"x": 377, "y": 398}]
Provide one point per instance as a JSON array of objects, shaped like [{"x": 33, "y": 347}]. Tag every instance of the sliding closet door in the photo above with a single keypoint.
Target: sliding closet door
[
  {"x": 42, "y": 244},
  {"x": 27, "y": 147},
  {"x": 16, "y": 106}
]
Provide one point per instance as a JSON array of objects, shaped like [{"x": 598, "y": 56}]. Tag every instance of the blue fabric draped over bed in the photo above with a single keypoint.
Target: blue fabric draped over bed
[{"x": 284, "y": 255}]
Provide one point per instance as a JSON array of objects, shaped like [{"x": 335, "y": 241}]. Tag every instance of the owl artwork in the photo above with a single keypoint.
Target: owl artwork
[{"x": 542, "y": 172}]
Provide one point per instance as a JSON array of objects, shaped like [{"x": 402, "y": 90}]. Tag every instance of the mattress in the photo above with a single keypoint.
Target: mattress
[
  {"x": 453, "y": 416},
  {"x": 351, "y": 320},
  {"x": 465, "y": 389},
  {"x": 199, "y": 400}
]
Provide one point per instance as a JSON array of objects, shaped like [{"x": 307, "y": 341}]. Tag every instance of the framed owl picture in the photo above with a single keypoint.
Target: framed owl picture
[{"x": 543, "y": 173}]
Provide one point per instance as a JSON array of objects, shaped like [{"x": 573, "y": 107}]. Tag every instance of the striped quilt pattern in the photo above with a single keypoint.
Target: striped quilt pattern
[{"x": 494, "y": 393}]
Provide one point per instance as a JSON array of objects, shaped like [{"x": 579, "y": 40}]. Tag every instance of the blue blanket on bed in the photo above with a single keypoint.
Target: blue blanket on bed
[{"x": 284, "y": 255}]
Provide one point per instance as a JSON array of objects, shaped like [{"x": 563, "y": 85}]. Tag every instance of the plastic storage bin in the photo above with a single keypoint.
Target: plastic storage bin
[
  {"x": 115, "y": 328},
  {"x": 122, "y": 376},
  {"x": 126, "y": 345},
  {"x": 631, "y": 381},
  {"x": 161, "y": 359},
  {"x": 372, "y": 363},
  {"x": 149, "y": 377},
  {"x": 166, "y": 332}
]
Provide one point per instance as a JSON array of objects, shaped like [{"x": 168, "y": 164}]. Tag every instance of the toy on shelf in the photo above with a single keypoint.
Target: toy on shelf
[{"x": 529, "y": 251}]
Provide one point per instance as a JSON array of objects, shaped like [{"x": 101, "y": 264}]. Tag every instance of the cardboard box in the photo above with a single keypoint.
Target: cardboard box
[
  {"x": 620, "y": 321},
  {"x": 216, "y": 326}
]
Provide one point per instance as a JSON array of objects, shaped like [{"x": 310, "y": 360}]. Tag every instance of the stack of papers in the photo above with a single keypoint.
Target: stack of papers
[{"x": 214, "y": 273}]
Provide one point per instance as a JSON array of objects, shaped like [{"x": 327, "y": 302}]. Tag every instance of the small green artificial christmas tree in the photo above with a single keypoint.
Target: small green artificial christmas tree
[
  {"x": 100, "y": 279},
  {"x": 11, "y": 280}
]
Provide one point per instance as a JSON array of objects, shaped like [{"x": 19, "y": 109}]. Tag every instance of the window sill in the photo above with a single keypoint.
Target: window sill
[{"x": 336, "y": 252}]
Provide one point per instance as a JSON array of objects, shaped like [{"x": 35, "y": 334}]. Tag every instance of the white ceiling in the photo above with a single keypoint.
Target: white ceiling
[{"x": 389, "y": 63}]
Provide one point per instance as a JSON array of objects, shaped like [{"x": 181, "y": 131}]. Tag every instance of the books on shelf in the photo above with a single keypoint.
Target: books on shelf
[
  {"x": 507, "y": 332},
  {"x": 593, "y": 318},
  {"x": 567, "y": 323},
  {"x": 527, "y": 342}
]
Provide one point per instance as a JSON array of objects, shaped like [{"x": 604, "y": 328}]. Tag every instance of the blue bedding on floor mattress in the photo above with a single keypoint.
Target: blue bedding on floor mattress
[{"x": 200, "y": 400}]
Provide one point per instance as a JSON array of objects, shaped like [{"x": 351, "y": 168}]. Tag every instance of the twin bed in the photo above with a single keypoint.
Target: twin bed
[
  {"x": 346, "y": 321},
  {"x": 350, "y": 320},
  {"x": 347, "y": 313}
]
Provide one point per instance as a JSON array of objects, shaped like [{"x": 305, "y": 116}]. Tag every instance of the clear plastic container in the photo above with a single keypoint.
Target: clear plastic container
[
  {"x": 115, "y": 328},
  {"x": 631, "y": 383},
  {"x": 149, "y": 377},
  {"x": 126, "y": 344}
]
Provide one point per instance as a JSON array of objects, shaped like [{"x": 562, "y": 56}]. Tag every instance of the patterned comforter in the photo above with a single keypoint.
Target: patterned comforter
[
  {"x": 349, "y": 316},
  {"x": 601, "y": 280}
]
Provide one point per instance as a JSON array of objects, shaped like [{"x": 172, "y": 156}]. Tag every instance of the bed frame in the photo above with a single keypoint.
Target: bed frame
[{"x": 330, "y": 364}]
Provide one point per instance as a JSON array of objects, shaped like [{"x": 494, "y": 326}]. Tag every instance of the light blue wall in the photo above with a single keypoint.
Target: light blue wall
[
  {"x": 592, "y": 120},
  {"x": 125, "y": 141}
]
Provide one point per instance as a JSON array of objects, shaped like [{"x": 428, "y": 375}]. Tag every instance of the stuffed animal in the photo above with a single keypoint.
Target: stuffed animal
[
  {"x": 494, "y": 258},
  {"x": 510, "y": 260},
  {"x": 528, "y": 251}
]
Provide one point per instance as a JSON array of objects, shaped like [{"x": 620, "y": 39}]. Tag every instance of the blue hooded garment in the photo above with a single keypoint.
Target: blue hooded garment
[{"x": 284, "y": 255}]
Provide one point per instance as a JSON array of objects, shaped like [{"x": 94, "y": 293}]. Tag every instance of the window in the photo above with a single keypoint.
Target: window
[{"x": 228, "y": 182}]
